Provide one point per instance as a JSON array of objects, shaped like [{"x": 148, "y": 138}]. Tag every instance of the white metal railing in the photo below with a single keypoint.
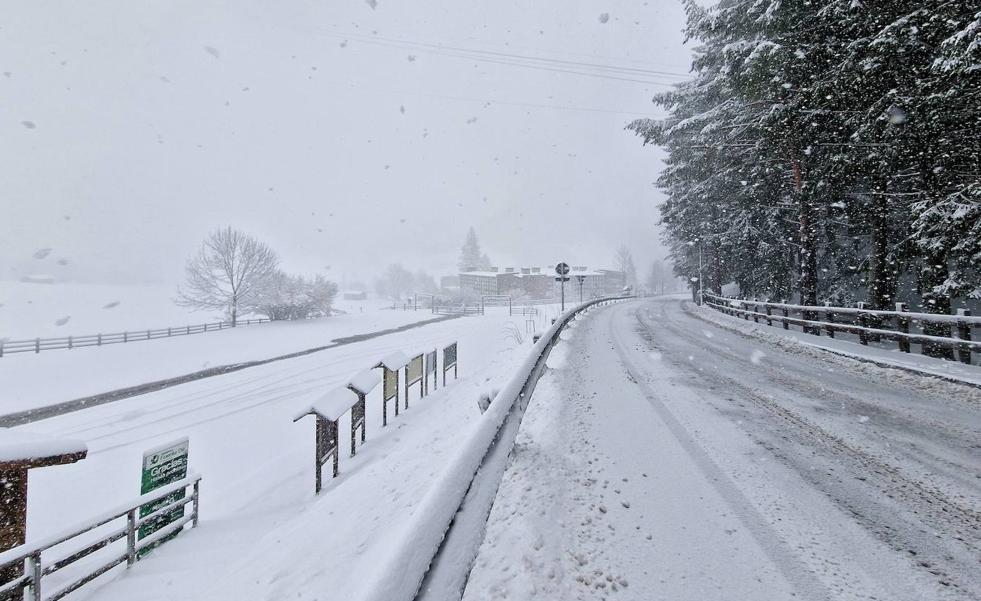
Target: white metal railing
[
  {"x": 868, "y": 324},
  {"x": 37, "y": 554},
  {"x": 36, "y": 345}
]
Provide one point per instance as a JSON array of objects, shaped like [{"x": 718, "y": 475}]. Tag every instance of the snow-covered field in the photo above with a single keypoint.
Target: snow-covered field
[
  {"x": 263, "y": 534},
  {"x": 37, "y": 380},
  {"x": 31, "y": 310},
  {"x": 665, "y": 458}
]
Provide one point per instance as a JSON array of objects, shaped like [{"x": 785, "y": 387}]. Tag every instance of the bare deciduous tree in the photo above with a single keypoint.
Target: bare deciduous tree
[
  {"x": 625, "y": 265},
  {"x": 228, "y": 272}
]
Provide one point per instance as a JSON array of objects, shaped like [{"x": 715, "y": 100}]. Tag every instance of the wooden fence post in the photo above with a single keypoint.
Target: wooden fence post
[
  {"x": 863, "y": 336},
  {"x": 786, "y": 313},
  {"x": 902, "y": 325},
  {"x": 829, "y": 315},
  {"x": 964, "y": 333}
]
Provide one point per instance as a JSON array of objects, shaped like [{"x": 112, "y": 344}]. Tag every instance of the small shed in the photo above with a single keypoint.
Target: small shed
[{"x": 21, "y": 451}]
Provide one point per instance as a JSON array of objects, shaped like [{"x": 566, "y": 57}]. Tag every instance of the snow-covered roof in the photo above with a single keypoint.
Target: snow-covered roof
[
  {"x": 365, "y": 381},
  {"x": 483, "y": 274},
  {"x": 331, "y": 405},
  {"x": 17, "y": 445},
  {"x": 394, "y": 361}
]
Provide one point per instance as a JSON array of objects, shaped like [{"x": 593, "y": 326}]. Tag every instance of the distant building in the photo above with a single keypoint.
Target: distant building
[
  {"x": 539, "y": 283},
  {"x": 449, "y": 282}
]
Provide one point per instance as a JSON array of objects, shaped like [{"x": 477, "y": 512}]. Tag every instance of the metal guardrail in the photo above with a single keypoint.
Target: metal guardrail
[
  {"x": 443, "y": 540},
  {"x": 866, "y": 323},
  {"x": 37, "y": 554},
  {"x": 36, "y": 345}
]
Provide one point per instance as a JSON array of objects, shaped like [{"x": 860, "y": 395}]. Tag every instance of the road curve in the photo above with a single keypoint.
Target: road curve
[{"x": 683, "y": 460}]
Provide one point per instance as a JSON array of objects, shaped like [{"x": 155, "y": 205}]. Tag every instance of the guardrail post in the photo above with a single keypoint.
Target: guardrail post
[
  {"x": 98, "y": 340},
  {"x": 786, "y": 313},
  {"x": 902, "y": 325},
  {"x": 70, "y": 343},
  {"x": 131, "y": 537},
  {"x": 168, "y": 332},
  {"x": 769, "y": 312},
  {"x": 964, "y": 333},
  {"x": 148, "y": 334},
  {"x": 1, "y": 348},
  {"x": 36, "y": 576},
  {"x": 125, "y": 336},
  {"x": 188, "y": 330},
  {"x": 37, "y": 345},
  {"x": 830, "y": 316},
  {"x": 756, "y": 309},
  {"x": 863, "y": 321}
]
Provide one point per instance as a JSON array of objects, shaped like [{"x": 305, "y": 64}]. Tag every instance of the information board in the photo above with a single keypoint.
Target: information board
[
  {"x": 413, "y": 371},
  {"x": 390, "y": 384}
]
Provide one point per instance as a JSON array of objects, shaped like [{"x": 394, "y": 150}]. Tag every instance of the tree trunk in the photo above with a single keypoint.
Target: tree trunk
[
  {"x": 808, "y": 254},
  {"x": 932, "y": 275},
  {"x": 234, "y": 314}
]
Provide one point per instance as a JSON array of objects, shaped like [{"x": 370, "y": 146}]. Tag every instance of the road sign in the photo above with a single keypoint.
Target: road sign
[
  {"x": 161, "y": 466},
  {"x": 563, "y": 270}
]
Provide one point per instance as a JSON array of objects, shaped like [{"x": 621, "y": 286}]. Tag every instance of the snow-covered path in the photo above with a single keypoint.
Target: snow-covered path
[{"x": 667, "y": 458}]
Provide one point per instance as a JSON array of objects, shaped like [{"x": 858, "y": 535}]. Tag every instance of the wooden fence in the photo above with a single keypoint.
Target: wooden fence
[
  {"x": 36, "y": 345},
  {"x": 872, "y": 325}
]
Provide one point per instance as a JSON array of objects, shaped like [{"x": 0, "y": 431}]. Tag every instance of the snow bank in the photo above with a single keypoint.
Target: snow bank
[
  {"x": 866, "y": 359},
  {"x": 414, "y": 545}
]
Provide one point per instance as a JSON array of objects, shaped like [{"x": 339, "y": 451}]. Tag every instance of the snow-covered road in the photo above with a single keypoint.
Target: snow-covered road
[{"x": 665, "y": 457}]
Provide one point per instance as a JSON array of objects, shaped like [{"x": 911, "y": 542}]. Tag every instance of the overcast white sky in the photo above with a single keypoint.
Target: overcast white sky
[{"x": 131, "y": 129}]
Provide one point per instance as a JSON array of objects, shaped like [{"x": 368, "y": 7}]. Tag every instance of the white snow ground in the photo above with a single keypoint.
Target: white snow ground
[
  {"x": 666, "y": 458},
  {"x": 263, "y": 534},
  {"x": 36, "y": 380}
]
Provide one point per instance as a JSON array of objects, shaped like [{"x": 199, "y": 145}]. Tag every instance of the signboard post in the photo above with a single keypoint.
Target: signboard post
[
  {"x": 580, "y": 279},
  {"x": 161, "y": 466},
  {"x": 562, "y": 269}
]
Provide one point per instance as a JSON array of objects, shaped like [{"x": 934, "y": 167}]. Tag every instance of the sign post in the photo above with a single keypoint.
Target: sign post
[
  {"x": 562, "y": 269},
  {"x": 161, "y": 466}
]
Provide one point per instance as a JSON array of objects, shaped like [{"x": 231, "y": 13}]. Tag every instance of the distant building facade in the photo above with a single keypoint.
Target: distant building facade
[{"x": 538, "y": 283}]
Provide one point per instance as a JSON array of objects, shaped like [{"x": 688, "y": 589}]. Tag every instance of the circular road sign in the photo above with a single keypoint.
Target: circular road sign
[{"x": 562, "y": 269}]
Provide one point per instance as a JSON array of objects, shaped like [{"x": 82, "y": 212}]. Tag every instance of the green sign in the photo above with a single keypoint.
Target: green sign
[{"x": 162, "y": 466}]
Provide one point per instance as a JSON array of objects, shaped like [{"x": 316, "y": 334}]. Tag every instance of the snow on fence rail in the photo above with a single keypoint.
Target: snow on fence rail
[
  {"x": 37, "y": 554},
  {"x": 36, "y": 345},
  {"x": 432, "y": 554},
  {"x": 868, "y": 324}
]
